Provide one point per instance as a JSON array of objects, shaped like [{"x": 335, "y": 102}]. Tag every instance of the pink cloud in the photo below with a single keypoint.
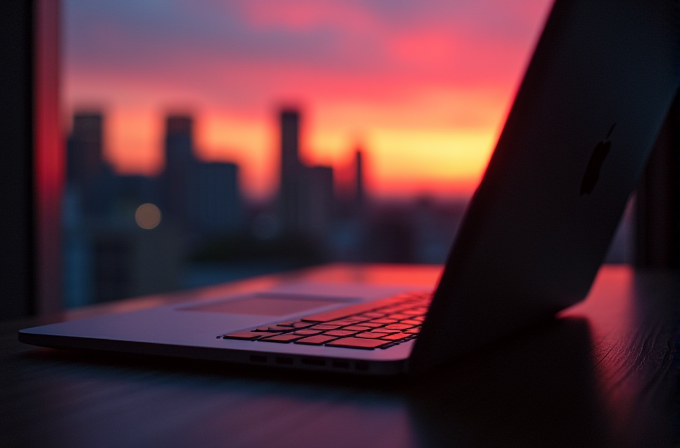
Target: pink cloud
[{"x": 305, "y": 14}]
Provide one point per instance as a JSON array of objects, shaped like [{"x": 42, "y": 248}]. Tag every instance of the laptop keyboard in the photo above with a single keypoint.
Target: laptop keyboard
[{"x": 379, "y": 324}]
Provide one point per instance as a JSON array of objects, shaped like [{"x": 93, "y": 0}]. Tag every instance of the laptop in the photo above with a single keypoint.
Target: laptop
[{"x": 574, "y": 145}]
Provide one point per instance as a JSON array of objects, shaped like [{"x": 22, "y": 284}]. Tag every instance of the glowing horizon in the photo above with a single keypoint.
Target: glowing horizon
[{"x": 363, "y": 73}]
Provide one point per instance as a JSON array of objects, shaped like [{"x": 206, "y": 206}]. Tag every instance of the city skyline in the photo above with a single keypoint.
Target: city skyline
[
  {"x": 87, "y": 161},
  {"x": 193, "y": 214},
  {"x": 423, "y": 86}
]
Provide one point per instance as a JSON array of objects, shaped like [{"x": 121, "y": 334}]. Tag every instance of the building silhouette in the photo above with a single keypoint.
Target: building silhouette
[
  {"x": 216, "y": 205},
  {"x": 179, "y": 163},
  {"x": 84, "y": 148},
  {"x": 307, "y": 199},
  {"x": 87, "y": 173},
  {"x": 359, "y": 184},
  {"x": 319, "y": 202},
  {"x": 106, "y": 255},
  {"x": 291, "y": 181},
  {"x": 127, "y": 261}
]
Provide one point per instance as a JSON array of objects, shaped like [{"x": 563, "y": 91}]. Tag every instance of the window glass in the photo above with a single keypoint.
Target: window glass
[{"x": 210, "y": 141}]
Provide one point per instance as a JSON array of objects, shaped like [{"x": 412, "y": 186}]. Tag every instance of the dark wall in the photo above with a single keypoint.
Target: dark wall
[
  {"x": 657, "y": 229},
  {"x": 17, "y": 259},
  {"x": 31, "y": 158}
]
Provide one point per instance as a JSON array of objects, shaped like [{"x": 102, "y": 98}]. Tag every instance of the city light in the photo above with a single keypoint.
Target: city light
[{"x": 148, "y": 216}]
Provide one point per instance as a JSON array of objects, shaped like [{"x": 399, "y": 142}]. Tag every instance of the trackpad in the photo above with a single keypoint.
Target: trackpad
[{"x": 263, "y": 305}]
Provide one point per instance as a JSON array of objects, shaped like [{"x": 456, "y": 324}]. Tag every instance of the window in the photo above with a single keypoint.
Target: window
[{"x": 211, "y": 141}]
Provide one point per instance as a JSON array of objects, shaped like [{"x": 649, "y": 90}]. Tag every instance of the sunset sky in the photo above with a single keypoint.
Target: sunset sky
[{"x": 423, "y": 86}]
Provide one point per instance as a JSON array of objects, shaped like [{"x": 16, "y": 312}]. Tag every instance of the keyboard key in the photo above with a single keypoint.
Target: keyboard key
[
  {"x": 273, "y": 328},
  {"x": 339, "y": 333},
  {"x": 356, "y": 328},
  {"x": 341, "y": 322},
  {"x": 371, "y": 335},
  {"x": 285, "y": 324},
  {"x": 279, "y": 328},
  {"x": 284, "y": 338},
  {"x": 351, "y": 310},
  {"x": 410, "y": 322},
  {"x": 398, "y": 326},
  {"x": 355, "y": 319},
  {"x": 378, "y": 324},
  {"x": 395, "y": 309},
  {"x": 315, "y": 340},
  {"x": 396, "y": 336},
  {"x": 246, "y": 335},
  {"x": 384, "y": 320},
  {"x": 325, "y": 327},
  {"x": 371, "y": 324},
  {"x": 366, "y": 344},
  {"x": 306, "y": 332},
  {"x": 384, "y": 330}
]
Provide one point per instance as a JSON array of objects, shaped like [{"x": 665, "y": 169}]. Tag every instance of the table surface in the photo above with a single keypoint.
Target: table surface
[{"x": 601, "y": 374}]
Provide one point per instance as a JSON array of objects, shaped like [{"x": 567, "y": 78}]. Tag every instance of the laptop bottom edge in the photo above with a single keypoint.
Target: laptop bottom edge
[{"x": 239, "y": 357}]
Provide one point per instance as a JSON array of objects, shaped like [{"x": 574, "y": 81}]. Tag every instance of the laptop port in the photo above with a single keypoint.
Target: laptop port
[
  {"x": 258, "y": 358},
  {"x": 341, "y": 364},
  {"x": 283, "y": 360},
  {"x": 313, "y": 361}
]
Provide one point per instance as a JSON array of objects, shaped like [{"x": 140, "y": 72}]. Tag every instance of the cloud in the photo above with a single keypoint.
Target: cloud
[{"x": 389, "y": 47}]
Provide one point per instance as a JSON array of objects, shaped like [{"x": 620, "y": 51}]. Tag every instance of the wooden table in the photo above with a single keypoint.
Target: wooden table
[{"x": 602, "y": 374}]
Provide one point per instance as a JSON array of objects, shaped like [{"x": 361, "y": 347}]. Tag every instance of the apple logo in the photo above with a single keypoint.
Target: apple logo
[{"x": 592, "y": 173}]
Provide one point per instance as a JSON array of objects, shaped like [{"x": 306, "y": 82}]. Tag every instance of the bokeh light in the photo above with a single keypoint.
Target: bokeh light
[{"x": 148, "y": 216}]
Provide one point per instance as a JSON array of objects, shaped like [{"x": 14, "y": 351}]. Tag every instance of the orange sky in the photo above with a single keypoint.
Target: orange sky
[{"x": 423, "y": 86}]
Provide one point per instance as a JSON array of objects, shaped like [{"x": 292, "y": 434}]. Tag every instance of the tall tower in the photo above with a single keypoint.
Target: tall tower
[
  {"x": 291, "y": 171},
  {"x": 85, "y": 163},
  {"x": 178, "y": 139},
  {"x": 359, "y": 185},
  {"x": 179, "y": 163},
  {"x": 85, "y": 147}
]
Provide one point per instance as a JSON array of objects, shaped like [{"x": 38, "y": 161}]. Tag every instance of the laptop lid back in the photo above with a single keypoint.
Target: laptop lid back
[{"x": 574, "y": 145}]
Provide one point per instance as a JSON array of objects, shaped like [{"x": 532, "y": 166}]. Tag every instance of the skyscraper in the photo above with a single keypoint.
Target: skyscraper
[
  {"x": 359, "y": 186},
  {"x": 291, "y": 180},
  {"x": 84, "y": 158},
  {"x": 179, "y": 162},
  {"x": 85, "y": 165}
]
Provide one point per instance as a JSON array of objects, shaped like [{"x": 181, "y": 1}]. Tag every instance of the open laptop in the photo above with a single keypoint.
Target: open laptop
[{"x": 583, "y": 123}]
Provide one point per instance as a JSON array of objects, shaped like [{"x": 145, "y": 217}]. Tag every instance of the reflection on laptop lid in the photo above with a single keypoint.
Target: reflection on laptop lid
[{"x": 581, "y": 128}]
